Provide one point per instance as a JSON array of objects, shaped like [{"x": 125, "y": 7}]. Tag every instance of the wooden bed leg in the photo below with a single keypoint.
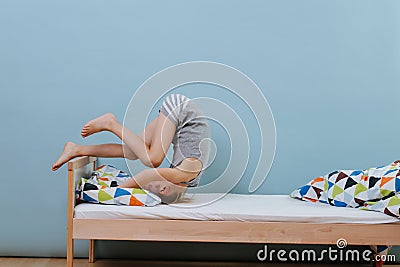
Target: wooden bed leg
[
  {"x": 70, "y": 252},
  {"x": 91, "y": 250},
  {"x": 71, "y": 204},
  {"x": 74, "y": 165}
]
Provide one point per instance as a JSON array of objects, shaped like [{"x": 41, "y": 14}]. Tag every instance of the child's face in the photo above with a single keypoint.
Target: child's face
[
  {"x": 160, "y": 188},
  {"x": 167, "y": 191}
]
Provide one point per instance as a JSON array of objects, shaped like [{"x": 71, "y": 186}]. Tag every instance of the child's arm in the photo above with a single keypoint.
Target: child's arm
[{"x": 173, "y": 175}]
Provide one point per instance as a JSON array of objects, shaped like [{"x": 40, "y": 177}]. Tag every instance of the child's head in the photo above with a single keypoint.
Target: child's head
[{"x": 168, "y": 192}]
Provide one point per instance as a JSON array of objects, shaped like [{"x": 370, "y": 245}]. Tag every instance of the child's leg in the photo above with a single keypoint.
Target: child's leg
[
  {"x": 72, "y": 150},
  {"x": 151, "y": 153},
  {"x": 102, "y": 124}
]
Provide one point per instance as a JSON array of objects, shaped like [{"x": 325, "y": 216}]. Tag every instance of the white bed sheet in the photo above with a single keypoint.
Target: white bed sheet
[{"x": 237, "y": 207}]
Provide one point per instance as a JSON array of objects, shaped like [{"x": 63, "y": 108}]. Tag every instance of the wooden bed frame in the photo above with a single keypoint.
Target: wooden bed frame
[{"x": 212, "y": 231}]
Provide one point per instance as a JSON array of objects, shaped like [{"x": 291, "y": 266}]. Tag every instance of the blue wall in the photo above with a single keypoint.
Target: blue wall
[{"x": 329, "y": 69}]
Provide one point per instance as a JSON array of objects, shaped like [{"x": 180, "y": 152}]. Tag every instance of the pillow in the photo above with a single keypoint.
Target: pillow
[
  {"x": 102, "y": 188},
  {"x": 352, "y": 188}
]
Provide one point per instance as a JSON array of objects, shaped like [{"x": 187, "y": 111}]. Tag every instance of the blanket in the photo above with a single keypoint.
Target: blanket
[{"x": 102, "y": 188}]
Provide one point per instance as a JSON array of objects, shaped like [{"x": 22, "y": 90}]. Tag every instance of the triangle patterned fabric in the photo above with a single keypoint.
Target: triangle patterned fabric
[
  {"x": 102, "y": 188},
  {"x": 374, "y": 189}
]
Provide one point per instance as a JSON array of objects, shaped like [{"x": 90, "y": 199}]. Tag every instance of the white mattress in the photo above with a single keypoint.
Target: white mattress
[{"x": 237, "y": 207}]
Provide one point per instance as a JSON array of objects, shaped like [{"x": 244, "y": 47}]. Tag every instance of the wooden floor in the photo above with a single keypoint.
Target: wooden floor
[{"x": 57, "y": 262}]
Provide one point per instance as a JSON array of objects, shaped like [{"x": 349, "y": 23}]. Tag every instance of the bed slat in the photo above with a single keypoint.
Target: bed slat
[{"x": 236, "y": 232}]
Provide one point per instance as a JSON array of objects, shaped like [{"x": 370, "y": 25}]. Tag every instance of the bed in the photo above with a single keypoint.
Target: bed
[{"x": 234, "y": 218}]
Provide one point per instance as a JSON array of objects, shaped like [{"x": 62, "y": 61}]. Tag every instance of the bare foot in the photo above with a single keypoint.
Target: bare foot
[
  {"x": 69, "y": 152},
  {"x": 99, "y": 124}
]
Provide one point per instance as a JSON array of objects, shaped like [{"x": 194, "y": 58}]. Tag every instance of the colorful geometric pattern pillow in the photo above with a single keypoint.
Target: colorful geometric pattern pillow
[
  {"x": 373, "y": 189},
  {"x": 102, "y": 188}
]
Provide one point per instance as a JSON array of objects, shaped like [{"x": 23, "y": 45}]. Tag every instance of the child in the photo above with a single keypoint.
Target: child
[{"x": 180, "y": 122}]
